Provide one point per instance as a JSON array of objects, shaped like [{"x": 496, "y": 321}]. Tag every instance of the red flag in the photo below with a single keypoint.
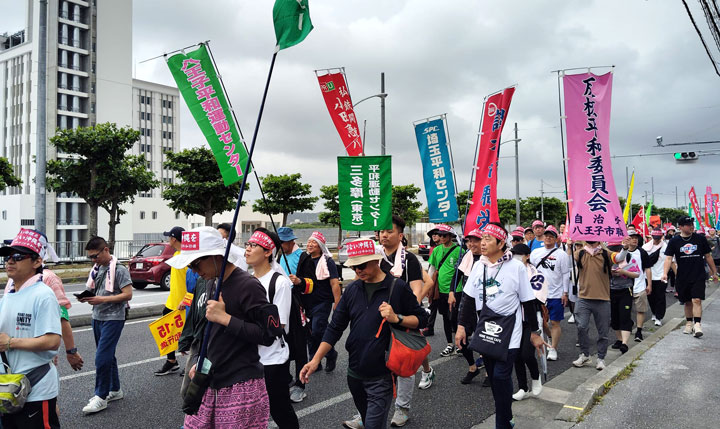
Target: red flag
[
  {"x": 696, "y": 208},
  {"x": 337, "y": 98},
  {"x": 483, "y": 208},
  {"x": 639, "y": 222}
]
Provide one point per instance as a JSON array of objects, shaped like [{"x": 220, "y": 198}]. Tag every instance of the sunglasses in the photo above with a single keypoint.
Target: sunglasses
[
  {"x": 94, "y": 257},
  {"x": 359, "y": 267},
  {"x": 194, "y": 264},
  {"x": 17, "y": 257}
]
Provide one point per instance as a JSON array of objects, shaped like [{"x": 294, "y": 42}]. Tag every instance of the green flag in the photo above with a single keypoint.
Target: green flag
[
  {"x": 292, "y": 22},
  {"x": 200, "y": 87},
  {"x": 365, "y": 192}
]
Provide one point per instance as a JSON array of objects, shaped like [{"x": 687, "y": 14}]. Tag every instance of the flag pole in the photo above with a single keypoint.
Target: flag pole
[
  {"x": 216, "y": 294},
  {"x": 257, "y": 178}
]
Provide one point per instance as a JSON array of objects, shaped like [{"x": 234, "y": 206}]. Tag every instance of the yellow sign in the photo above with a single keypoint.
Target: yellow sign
[
  {"x": 166, "y": 331},
  {"x": 187, "y": 299}
]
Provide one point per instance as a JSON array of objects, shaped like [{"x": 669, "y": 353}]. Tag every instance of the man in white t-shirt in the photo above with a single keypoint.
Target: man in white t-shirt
[
  {"x": 642, "y": 285},
  {"x": 276, "y": 357},
  {"x": 656, "y": 252},
  {"x": 554, "y": 264},
  {"x": 509, "y": 294}
]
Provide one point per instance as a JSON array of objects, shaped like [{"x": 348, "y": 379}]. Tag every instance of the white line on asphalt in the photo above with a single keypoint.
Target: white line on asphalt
[
  {"x": 126, "y": 323},
  {"x": 86, "y": 373}
]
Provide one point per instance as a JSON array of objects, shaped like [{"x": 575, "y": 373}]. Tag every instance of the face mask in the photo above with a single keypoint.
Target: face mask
[{"x": 519, "y": 258}]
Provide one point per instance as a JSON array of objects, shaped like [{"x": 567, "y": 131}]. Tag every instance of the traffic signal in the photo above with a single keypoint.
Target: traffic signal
[{"x": 685, "y": 156}]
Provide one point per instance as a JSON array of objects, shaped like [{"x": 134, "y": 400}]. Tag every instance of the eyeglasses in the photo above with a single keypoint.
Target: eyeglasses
[
  {"x": 194, "y": 264},
  {"x": 95, "y": 256},
  {"x": 17, "y": 257},
  {"x": 251, "y": 245},
  {"x": 359, "y": 267}
]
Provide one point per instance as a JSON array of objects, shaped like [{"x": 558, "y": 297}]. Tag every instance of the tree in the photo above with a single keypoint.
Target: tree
[
  {"x": 553, "y": 208},
  {"x": 506, "y": 211},
  {"x": 332, "y": 215},
  {"x": 284, "y": 194},
  {"x": 7, "y": 176},
  {"x": 201, "y": 189},
  {"x": 132, "y": 178},
  {"x": 462, "y": 202},
  {"x": 405, "y": 203},
  {"x": 97, "y": 163}
]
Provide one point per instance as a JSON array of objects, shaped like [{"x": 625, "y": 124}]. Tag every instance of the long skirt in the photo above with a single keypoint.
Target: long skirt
[{"x": 242, "y": 405}]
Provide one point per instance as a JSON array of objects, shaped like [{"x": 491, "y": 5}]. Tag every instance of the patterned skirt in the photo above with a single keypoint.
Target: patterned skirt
[{"x": 242, "y": 405}]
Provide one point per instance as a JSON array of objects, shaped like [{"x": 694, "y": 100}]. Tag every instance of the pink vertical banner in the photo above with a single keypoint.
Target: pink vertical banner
[
  {"x": 696, "y": 208},
  {"x": 595, "y": 213}
]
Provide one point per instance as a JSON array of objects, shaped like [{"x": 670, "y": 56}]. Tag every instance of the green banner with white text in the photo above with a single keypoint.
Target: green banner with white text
[
  {"x": 365, "y": 192},
  {"x": 199, "y": 85}
]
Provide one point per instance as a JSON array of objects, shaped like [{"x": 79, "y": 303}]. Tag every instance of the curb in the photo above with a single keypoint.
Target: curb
[
  {"x": 134, "y": 313},
  {"x": 583, "y": 398}
]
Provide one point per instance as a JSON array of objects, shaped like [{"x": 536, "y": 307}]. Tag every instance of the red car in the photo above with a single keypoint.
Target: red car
[{"x": 149, "y": 266}]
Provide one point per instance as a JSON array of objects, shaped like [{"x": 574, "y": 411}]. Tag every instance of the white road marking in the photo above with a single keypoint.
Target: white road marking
[
  {"x": 126, "y": 323},
  {"x": 125, "y": 365}
]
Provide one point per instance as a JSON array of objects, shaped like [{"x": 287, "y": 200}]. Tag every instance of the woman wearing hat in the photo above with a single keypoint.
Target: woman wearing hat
[{"x": 236, "y": 396}]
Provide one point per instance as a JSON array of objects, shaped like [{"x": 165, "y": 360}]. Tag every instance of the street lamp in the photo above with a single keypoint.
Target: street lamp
[
  {"x": 382, "y": 96},
  {"x": 517, "y": 175}
]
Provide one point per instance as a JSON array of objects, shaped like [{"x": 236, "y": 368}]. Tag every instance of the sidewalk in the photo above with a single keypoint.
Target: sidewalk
[
  {"x": 566, "y": 398},
  {"x": 673, "y": 385}
]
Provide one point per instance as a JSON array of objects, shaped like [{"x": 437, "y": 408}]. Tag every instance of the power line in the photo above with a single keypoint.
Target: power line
[{"x": 707, "y": 50}]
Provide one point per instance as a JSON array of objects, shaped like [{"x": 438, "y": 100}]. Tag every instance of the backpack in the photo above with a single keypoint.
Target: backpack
[
  {"x": 607, "y": 266},
  {"x": 296, "y": 336}
]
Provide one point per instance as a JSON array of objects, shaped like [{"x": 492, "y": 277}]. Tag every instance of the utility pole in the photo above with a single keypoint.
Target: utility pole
[
  {"x": 676, "y": 198},
  {"x": 382, "y": 114},
  {"x": 627, "y": 181},
  {"x": 517, "y": 179},
  {"x": 652, "y": 187},
  {"x": 363, "y": 140},
  {"x": 41, "y": 133},
  {"x": 542, "y": 202},
  {"x": 685, "y": 195}
]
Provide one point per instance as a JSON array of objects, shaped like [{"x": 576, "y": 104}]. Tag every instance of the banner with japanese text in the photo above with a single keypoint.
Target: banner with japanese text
[
  {"x": 483, "y": 208},
  {"x": 699, "y": 224},
  {"x": 708, "y": 207},
  {"x": 365, "y": 192},
  {"x": 200, "y": 87},
  {"x": 166, "y": 331},
  {"x": 337, "y": 98},
  {"x": 595, "y": 213},
  {"x": 639, "y": 222},
  {"x": 437, "y": 170}
]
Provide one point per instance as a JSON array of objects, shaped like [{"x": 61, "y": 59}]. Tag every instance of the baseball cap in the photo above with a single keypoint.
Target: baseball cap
[
  {"x": 657, "y": 232},
  {"x": 360, "y": 251},
  {"x": 551, "y": 230},
  {"x": 26, "y": 241},
  {"x": 685, "y": 220},
  {"x": 175, "y": 232},
  {"x": 538, "y": 223},
  {"x": 520, "y": 249}
]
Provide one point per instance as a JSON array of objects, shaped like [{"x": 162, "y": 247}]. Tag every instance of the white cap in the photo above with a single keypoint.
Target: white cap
[{"x": 199, "y": 242}]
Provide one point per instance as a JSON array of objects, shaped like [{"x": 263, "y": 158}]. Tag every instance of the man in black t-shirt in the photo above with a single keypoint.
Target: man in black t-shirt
[{"x": 691, "y": 252}]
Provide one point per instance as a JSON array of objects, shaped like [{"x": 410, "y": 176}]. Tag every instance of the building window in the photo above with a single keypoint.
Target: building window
[
  {"x": 142, "y": 215},
  {"x": 154, "y": 215},
  {"x": 4, "y": 215},
  {"x": 177, "y": 215},
  {"x": 27, "y": 222},
  {"x": 169, "y": 104},
  {"x": 169, "y": 135}
]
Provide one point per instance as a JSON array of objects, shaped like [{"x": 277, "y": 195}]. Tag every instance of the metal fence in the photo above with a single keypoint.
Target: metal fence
[{"x": 71, "y": 252}]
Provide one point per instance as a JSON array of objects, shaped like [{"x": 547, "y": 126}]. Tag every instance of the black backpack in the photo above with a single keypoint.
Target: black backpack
[
  {"x": 296, "y": 337},
  {"x": 607, "y": 266}
]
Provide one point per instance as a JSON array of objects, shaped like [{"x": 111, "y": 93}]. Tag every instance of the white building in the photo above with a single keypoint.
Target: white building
[{"x": 89, "y": 81}]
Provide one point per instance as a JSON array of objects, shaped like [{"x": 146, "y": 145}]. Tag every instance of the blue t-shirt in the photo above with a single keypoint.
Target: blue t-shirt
[
  {"x": 32, "y": 312},
  {"x": 292, "y": 259},
  {"x": 535, "y": 244}
]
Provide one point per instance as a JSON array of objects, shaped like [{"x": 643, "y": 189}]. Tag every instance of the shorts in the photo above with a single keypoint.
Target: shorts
[
  {"x": 689, "y": 291},
  {"x": 640, "y": 302},
  {"x": 621, "y": 309},
  {"x": 556, "y": 309}
]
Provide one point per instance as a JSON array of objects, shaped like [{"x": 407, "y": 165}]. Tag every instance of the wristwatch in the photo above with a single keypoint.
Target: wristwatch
[
  {"x": 71, "y": 351},
  {"x": 400, "y": 318}
]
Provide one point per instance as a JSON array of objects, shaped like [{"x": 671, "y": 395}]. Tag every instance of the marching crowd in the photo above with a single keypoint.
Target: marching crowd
[{"x": 502, "y": 298}]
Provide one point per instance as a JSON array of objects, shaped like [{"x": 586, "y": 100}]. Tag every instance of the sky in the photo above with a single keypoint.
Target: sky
[{"x": 445, "y": 57}]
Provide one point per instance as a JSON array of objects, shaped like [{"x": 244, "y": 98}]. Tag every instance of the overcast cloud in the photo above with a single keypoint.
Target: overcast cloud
[{"x": 444, "y": 57}]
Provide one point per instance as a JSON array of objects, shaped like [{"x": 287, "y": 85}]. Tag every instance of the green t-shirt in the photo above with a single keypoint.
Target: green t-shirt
[{"x": 445, "y": 273}]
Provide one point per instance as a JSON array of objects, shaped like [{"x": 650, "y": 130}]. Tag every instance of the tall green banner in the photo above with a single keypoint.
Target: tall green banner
[
  {"x": 199, "y": 85},
  {"x": 365, "y": 192}
]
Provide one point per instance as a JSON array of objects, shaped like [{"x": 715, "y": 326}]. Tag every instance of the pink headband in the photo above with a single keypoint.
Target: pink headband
[
  {"x": 317, "y": 235},
  {"x": 443, "y": 228},
  {"x": 495, "y": 231},
  {"x": 475, "y": 233},
  {"x": 262, "y": 239}
]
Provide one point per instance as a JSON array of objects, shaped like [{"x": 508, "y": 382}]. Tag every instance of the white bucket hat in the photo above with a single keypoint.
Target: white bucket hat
[{"x": 199, "y": 242}]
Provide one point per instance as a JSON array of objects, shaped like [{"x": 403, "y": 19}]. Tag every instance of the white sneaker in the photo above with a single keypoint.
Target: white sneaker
[
  {"x": 572, "y": 318},
  {"x": 354, "y": 423},
  {"x": 520, "y": 395},
  {"x": 552, "y": 354},
  {"x": 96, "y": 404},
  {"x": 697, "y": 330},
  {"x": 688, "y": 328},
  {"x": 536, "y": 387},
  {"x": 114, "y": 396},
  {"x": 426, "y": 379},
  {"x": 400, "y": 417},
  {"x": 658, "y": 322},
  {"x": 581, "y": 360},
  {"x": 653, "y": 318},
  {"x": 297, "y": 394},
  {"x": 600, "y": 364}
]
